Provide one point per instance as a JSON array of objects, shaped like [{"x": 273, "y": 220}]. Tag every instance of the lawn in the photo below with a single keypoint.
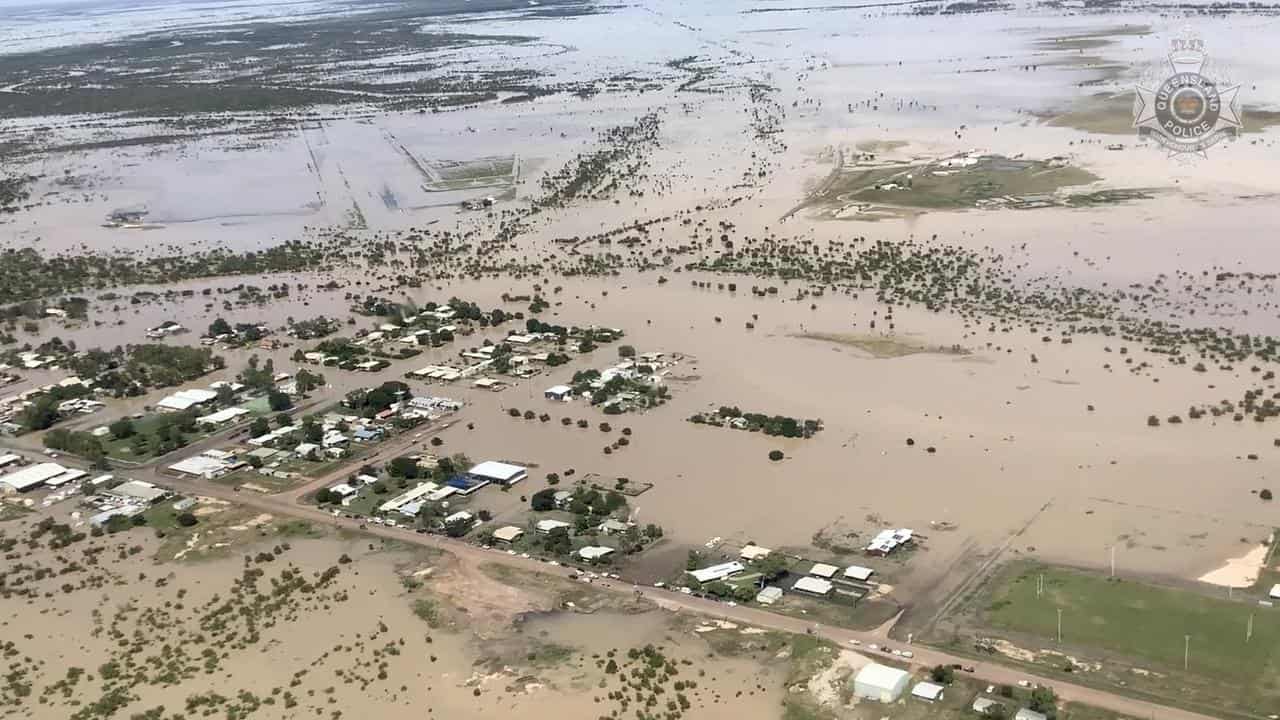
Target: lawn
[{"x": 1141, "y": 622}]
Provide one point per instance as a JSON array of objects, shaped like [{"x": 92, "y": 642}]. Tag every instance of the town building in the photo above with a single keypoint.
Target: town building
[
  {"x": 824, "y": 570},
  {"x": 812, "y": 586},
  {"x": 138, "y": 491},
  {"x": 30, "y": 478},
  {"x": 754, "y": 552},
  {"x": 185, "y": 400},
  {"x": 1027, "y": 714},
  {"x": 931, "y": 692},
  {"x": 558, "y": 393},
  {"x": 546, "y": 527},
  {"x": 880, "y": 683},
  {"x": 508, "y": 534},
  {"x": 857, "y": 572},
  {"x": 769, "y": 595},
  {"x": 592, "y": 553},
  {"x": 498, "y": 472},
  {"x": 982, "y": 704},
  {"x": 718, "y": 572}
]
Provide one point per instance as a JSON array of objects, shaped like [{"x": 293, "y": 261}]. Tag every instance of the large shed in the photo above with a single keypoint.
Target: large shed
[{"x": 880, "y": 683}]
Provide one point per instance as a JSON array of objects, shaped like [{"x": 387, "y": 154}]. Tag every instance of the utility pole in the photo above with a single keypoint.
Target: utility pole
[
  {"x": 1113, "y": 561},
  {"x": 1186, "y": 652},
  {"x": 1059, "y": 626},
  {"x": 1248, "y": 633}
]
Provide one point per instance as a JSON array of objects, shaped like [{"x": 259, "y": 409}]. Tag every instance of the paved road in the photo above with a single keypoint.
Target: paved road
[{"x": 288, "y": 504}]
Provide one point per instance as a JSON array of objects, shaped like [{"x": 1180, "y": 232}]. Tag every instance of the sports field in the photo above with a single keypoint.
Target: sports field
[{"x": 1143, "y": 623}]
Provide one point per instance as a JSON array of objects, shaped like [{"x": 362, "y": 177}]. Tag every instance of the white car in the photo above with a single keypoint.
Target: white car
[
  {"x": 855, "y": 642},
  {"x": 908, "y": 654},
  {"x": 873, "y": 646}
]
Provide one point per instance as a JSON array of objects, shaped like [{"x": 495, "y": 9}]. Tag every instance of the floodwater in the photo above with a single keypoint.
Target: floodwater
[{"x": 1022, "y": 464}]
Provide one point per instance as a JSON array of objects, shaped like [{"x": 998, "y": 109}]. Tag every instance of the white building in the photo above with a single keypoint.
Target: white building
[
  {"x": 545, "y": 527},
  {"x": 857, "y": 572},
  {"x": 594, "y": 552},
  {"x": 718, "y": 572},
  {"x": 824, "y": 570},
  {"x": 185, "y": 400},
  {"x": 928, "y": 691},
  {"x": 812, "y": 585},
  {"x": 559, "y": 393},
  {"x": 508, "y": 534},
  {"x": 769, "y": 595},
  {"x": 1025, "y": 714},
  {"x": 880, "y": 683},
  {"x": 30, "y": 478},
  {"x": 754, "y": 552},
  {"x": 203, "y": 466},
  {"x": 499, "y": 472}
]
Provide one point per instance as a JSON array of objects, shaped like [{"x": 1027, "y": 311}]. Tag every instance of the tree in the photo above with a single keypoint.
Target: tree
[
  {"x": 379, "y": 488},
  {"x": 278, "y": 401},
  {"x": 484, "y": 515},
  {"x": 255, "y": 462},
  {"x": 943, "y": 674},
  {"x": 311, "y": 431},
  {"x": 1265, "y": 494},
  {"x": 186, "y": 519},
  {"x": 776, "y": 455},
  {"x": 283, "y": 420},
  {"x": 122, "y": 428},
  {"x": 219, "y": 327},
  {"x": 403, "y": 466},
  {"x": 259, "y": 427},
  {"x": 1044, "y": 700},
  {"x": 323, "y": 496},
  {"x": 626, "y": 351},
  {"x": 1006, "y": 691}
]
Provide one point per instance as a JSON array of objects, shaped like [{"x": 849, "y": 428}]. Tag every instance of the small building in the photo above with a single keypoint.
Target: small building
[
  {"x": 184, "y": 504},
  {"x": 342, "y": 491},
  {"x": 499, "y": 472},
  {"x": 592, "y": 553},
  {"x": 305, "y": 449},
  {"x": 718, "y": 572},
  {"x": 824, "y": 570},
  {"x": 185, "y": 400},
  {"x": 562, "y": 498},
  {"x": 546, "y": 527},
  {"x": 204, "y": 466},
  {"x": 769, "y": 595},
  {"x": 30, "y": 478},
  {"x": 932, "y": 692},
  {"x": 754, "y": 552},
  {"x": 1025, "y": 714},
  {"x": 857, "y": 572},
  {"x": 103, "y": 517},
  {"x": 559, "y": 393},
  {"x": 880, "y": 683},
  {"x": 1275, "y": 592},
  {"x": 465, "y": 484},
  {"x": 982, "y": 704},
  {"x": 7, "y": 460},
  {"x": 812, "y": 586},
  {"x": 508, "y": 534},
  {"x": 138, "y": 491},
  {"x": 71, "y": 475},
  {"x": 460, "y": 516},
  {"x": 611, "y": 527},
  {"x": 220, "y": 417}
]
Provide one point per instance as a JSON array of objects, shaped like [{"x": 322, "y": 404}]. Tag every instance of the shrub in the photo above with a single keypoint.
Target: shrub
[
  {"x": 776, "y": 455},
  {"x": 528, "y": 415},
  {"x": 437, "y": 441},
  {"x": 1265, "y": 494},
  {"x": 605, "y": 427},
  {"x": 514, "y": 412},
  {"x": 186, "y": 519}
]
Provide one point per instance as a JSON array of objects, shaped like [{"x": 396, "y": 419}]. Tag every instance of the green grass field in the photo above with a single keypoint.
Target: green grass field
[{"x": 1144, "y": 623}]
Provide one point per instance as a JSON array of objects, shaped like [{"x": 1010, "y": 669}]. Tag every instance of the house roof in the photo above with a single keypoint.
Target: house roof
[
  {"x": 507, "y": 533},
  {"x": 559, "y": 390},
  {"x": 593, "y": 552},
  {"x": 33, "y": 476},
  {"x": 881, "y": 676},
  {"x": 857, "y": 572},
  {"x": 751, "y": 552},
  {"x": 823, "y": 570},
  {"x": 814, "y": 585},
  {"x": 927, "y": 690},
  {"x": 494, "y": 470},
  {"x": 717, "y": 572},
  {"x": 549, "y": 525},
  {"x": 769, "y": 594}
]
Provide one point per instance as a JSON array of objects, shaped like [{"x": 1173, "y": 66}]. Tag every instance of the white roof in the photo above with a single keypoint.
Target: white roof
[
  {"x": 342, "y": 490},
  {"x": 33, "y": 476},
  {"x": 66, "y": 477},
  {"x": 201, "y": 465},
  {"x": 824, "y": 570},
  {"x": 880, "y": 676},
  {"x": 549, "y": 525},
  {"x": 138, "y": 490},
  {"x": 857, "y": 572},
  {"x": 814, "y": 585},
  {"x": 460, "y": 515},
  {"x": 184, "y": 399},
  {"x": 408, "y": 496},
  {"x": 9, "y": 459},
  {"x": 1275, "y": 591},
  {"x": 718, "y": 572},
  {"x": 508, "y": 533},
  {"x": 224, "y": 415},
  {"x": 770, "y": 594},
  {"x": 927, "y": 690},
  {"x": 559, "y": 390},
  {"x": 1025, "y": 714},
  {"x": 500, "y": 471},
  {"x": 981, "y": 704},
  {"x": 593, "y": 552},
  {"x": 751, "y": 552}
]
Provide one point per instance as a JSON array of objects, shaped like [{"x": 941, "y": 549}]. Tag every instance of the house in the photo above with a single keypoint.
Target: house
[
  {"x": 769, "y": 595},
  {"x": 559, "y": 393},
  {"x": 880, "y": 683},
  {"x": 499, "y": 472},
  {"x": 718, "y": 572},
  {"x": 508, "y": 534},
  {"x": 857, "y": 572},
  {"x": 342, "y": 490},
  {"x": 70, "y": 475},
  {"x": 460, "y": 516},
  {"x": 204, "y": 466},
  {"x": 823, "y": 570},
  {"x": 931, "y": 692},
  {"x": 546, "y": 527},
  {"x": 812, "y": 586},
  {"x": 592, "y": 553},
  {"x": 7, "y": 460},
  {"x": 886, "y": 541},
  {"x": 611, "y": 526},
  {"x": 305, "y": 450},
  {"x": 185, "y": 400},
  {"x": 982, "y": 704},
  {"x": 1025, "y": 714},
  {"x": 30, "y": 478},
  {"x": 220, "y": 417},
  {"x": 562, "y": 498},
  {"x": 1275, "y": 592},
  {"x": 138, "y": 492},
  {"x": 465, "y": 484},
  {"x": 754, "y": 552},
  {"x": 185, "y": 504},
  {"x": 103, "y": 517},
  {"x": 368, "y": 434}
]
